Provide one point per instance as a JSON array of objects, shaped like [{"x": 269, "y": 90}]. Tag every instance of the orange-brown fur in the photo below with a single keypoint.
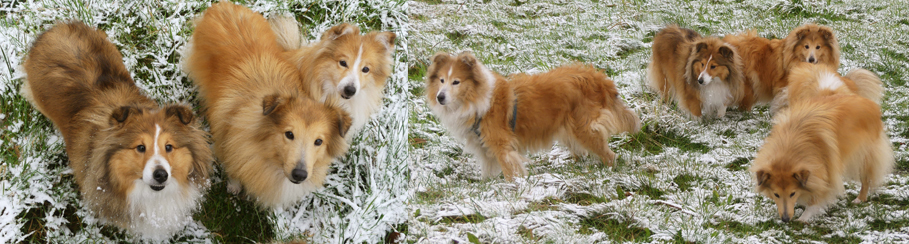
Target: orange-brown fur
[
  {"x": 264, "y": 126},
  {"x": 804, "y": 80},
  {"x": 816, "y": 144},
  {"x": 680, "y": 55},
  {"x": 574, "y": 104},
  {"x": 324, "y": 75},
  {"x": 767, "y": 62},
  {"x": 77, "y": 79}
]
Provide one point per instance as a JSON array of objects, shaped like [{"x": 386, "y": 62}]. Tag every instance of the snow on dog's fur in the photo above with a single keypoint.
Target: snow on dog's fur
[
  {"x": 702, "y": 74},
  {"x": 272, "y": 138},
  {"x": 827, "y": 135},
  {"x": 767, "y": 62},
  {"x": 498, "y": 118},
  {"x": 343, "y": 67},
  {"x": 139, "y": 166}
]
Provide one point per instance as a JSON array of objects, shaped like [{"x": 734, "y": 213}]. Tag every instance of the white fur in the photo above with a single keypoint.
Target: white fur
[
  {"x": 810, "y": 212},
  {"x": 704, "y": 75},
  {"x": 353, "y": 76},
  {"x": 829, "y": 81},
  {"x": 715, "y": 96},
  {"x": 158, "y": 215},
  {"x": 361, "y": 105},
  {"x": 155, "y": 161},
  {"x": 291, "y": 193}
]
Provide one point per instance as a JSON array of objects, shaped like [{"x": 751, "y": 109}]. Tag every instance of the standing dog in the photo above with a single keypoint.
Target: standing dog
[
  {"x": 271, "y": 137},
  {"x": 703, "y": 75},
  {"x": 139, "y": 166},
  {"x": 767, "y": 62},
  {"x": 497, "y": 118},
  {"x": 343, "y": 68},
  {"x": 827, "y": 135}
]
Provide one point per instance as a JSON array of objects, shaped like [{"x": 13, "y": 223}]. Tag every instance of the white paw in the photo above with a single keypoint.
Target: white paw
[
  {"x": 721, "y": 112},
  {"x": 856, "y": 201},
  {"x": 234, "y": 186}
]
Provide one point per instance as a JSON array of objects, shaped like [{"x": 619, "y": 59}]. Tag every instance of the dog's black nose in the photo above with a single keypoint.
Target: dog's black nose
[
  {"x": 701, "y": 81},
  {"x": 441, "y": 98},
  {"x": 160, "y": 175},
  {"x": 349, "y": 91},
  {"x": 811, "y": 60},
  {"x": 298, "y": 175},
  {"x": 785, "y": 218}
]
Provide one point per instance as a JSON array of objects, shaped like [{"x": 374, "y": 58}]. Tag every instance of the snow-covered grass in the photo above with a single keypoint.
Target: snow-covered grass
[
  {"x": 677, "y": 180},
  {"x": 365, "y": 192}
]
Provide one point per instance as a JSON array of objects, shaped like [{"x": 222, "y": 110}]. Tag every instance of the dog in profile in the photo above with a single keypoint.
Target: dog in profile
[
  {"x": 768, "y": 61},
  {"x": 139, "y": 166},
  {"x": 497, "y": 117},
  {"x": 702, "y": 74},
  {"x": 830, "y": 133},
  {"x": 343, "y": 67},
  {"x": 273, "y": 140}
]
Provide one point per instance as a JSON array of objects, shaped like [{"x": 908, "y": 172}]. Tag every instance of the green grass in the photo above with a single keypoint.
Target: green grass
[
  {"x": 223, "y": 212},
  {"x": 653, "y": 139},
  {"x": 617, "y": 230}
]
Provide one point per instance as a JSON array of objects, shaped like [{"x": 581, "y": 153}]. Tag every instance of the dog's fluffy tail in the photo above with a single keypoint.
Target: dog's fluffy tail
[
  {"x": 287, "y": 30},
  {"x": 869, "y": 85}
]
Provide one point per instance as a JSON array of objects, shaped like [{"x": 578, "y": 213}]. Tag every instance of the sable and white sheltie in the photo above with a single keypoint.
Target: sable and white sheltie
[
  {"x": 270, "y": 136},
  {"x": 828, "y": 134},
  {"x": 702, "y": 74},
  {"x": 805, "y": 79},
  {"x": 139, "y": 166},
  {"x": 766, "y": 61},
  {"x": 496, "y": 118},
  {"x": 343, "y": 67}
]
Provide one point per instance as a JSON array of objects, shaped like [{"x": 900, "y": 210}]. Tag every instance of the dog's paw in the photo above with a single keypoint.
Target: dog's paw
[
  {"x": 234, "y": 187},
  {"x": 857, "y": 201}
]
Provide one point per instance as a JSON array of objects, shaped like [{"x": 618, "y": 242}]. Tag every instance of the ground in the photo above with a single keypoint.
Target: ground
[
  {"x": 677, "y": 180},
  {"x": 365, "y": 193}
]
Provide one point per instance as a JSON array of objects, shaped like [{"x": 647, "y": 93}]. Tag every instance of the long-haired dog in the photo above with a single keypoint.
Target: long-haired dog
[
  {"x": 702, "y": 74},
  {"x": 805, "y": 79},
  {"x": 767, "y": 61},
  {"x": 270, "y": 136},
  {"x": 139, "y": 166},
  {"x": 827, "y": 135},
  {"x": 496, "y": 118},
  {"x": 343, "y": 67}
]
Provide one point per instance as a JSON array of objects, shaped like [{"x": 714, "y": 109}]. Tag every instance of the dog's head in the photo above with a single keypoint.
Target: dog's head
[
  {"x": 784, "y": 185},
  {"x": 304, "y": 135},
  {"x": 711, "y": 60},
  {"x": 349, "y": 62},
  {"x": 155, "y": 148},
  {"x": 812, "y": 43},
  {"x": 458, "y": 82}
]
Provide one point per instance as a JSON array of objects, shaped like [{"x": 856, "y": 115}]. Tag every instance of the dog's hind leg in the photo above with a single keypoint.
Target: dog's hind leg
[
  {"x": 595, "y": 135},
  {"x": 877, "y": 164}
]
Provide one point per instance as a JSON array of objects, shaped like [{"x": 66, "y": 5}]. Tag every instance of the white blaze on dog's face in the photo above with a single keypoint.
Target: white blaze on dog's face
[
  {"x": 711, "y": 63},
  {"x": 150, "y": 154},
  {"x": 357, "y": 61},
  {"x": 304, "y": 133}
]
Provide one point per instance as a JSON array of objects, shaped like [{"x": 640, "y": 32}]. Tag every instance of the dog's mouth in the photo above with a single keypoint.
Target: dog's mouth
[
  {"x": 295, "y": 181},
  {"x": 156, "y": 187}
]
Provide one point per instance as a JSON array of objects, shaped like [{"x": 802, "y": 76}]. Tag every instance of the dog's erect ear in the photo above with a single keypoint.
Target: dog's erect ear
[
  {"x": 340, "y": 30},
  {"x": 440, "y": 57},
  {"x": 183, "y": 113},
  {"x": 826, "y": 33},
  {"x": 468, "y": 59},
  {"x": 344, "y": 122},
  {"x": 122, "y": 113},
  {"x": 762, "y": 177},
  {"x": 802, "y": 177},
  {"x": 387, "y": 39},
  {"x": 270, "y": 103},
  {"x": 727, "y": 53},
  {"x": 802, "y": 34},
  {"x": 700, "y": 46}
]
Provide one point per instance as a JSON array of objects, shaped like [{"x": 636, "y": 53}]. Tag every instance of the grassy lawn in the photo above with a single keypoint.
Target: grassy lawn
[
  {"x": 365, "y": 193},
  {"x": 677, "y": 180}
]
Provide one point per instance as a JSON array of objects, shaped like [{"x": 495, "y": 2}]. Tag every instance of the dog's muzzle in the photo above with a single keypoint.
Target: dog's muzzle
[
  {"x": 441, "y": 98},
  {"x": 349, "y": 91},
  {"x": 160, "y": 176}
]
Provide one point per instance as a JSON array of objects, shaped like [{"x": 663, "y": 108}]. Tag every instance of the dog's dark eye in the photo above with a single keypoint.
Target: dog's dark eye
[
  {"x": 318, "y": 142},
  {"x": 818, "y": 47},
  {"x": 456, "y": 82},
  {"x": 168, "y": 148},
  {"x": 365, "y": 69},
  {"x": 777, "y": 195},
  {"x": 442, "y": 80},
  {"x": 713, "y": 67},
  {"x": 140, "y": 149},
  {"x": 792, "y": 195},
  {"x": 806, "y": 47},
  {"x": 289, "y": 135},
  {"x": 344, "y": 63}
]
